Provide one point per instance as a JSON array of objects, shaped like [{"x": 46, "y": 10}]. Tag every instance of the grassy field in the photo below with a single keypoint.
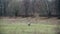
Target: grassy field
[{"x": 14, "y": 26}]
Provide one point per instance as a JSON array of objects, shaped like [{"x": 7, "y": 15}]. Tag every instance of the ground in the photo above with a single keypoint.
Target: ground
[{"x": 20, "y": 25}]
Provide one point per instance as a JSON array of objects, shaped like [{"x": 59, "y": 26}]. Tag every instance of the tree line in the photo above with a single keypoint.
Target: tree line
[{"x": 28, "y": 8}]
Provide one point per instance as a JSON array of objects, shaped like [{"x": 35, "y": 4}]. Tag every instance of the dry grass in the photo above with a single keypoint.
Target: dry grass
[
  {"x": 19, "y": 25},
  {"x": 43, "y": 20}
]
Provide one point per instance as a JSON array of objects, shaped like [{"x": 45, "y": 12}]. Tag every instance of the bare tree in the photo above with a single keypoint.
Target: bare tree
[
  {"x": 58, "y": 9},
  {"x": 26, "y": 6}
]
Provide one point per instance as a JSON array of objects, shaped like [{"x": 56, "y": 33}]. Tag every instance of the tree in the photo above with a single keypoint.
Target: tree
[
  {"x": 13, "y": 8},
  {"x": 58, "y": 9},
  {"x": 1, "y": 8},
  {"x": 26, "y": 5}
]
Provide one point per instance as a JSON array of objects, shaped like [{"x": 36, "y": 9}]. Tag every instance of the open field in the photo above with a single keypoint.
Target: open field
[{"x": 20, "y": 26}]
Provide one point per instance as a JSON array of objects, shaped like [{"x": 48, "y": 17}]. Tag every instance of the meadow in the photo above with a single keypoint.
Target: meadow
[{"x": 20, "y": 26}]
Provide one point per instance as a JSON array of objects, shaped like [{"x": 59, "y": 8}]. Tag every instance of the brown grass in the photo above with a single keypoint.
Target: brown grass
[{"x": 45, "y": 20}]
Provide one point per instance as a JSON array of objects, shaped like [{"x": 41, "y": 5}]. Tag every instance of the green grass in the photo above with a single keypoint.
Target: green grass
[{"x": 23, "y": 28}]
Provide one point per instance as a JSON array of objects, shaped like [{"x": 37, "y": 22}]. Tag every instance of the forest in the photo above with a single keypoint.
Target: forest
[{"x": 29, "y": 8}]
